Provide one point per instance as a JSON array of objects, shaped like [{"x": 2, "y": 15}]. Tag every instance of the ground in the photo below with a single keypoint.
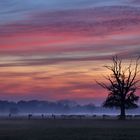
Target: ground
[{"x": 74, "y": 129}]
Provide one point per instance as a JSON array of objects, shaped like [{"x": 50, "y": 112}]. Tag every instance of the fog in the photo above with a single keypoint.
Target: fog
[{"x": 64, "y": 107}]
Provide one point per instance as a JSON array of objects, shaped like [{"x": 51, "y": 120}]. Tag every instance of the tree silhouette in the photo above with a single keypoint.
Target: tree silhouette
[{"x": 122, "y": 86}]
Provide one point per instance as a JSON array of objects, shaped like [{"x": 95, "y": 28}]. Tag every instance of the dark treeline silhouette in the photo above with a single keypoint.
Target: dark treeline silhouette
[
  {"x": 59, "y": 107},
  {"x": 35, "y": 106}
]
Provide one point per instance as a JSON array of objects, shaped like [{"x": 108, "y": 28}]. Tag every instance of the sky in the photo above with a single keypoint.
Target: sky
[{"x": 56, "y": 50}]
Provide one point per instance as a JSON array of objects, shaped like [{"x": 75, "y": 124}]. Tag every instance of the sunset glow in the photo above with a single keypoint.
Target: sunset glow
[{"x": 55, "y": 50}]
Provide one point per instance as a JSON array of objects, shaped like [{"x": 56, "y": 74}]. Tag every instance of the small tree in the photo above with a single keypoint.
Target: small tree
[{"x": 122, "y": 86}]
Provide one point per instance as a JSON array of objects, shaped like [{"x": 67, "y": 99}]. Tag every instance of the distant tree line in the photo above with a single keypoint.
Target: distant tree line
[{"x": 35, "y": 106}]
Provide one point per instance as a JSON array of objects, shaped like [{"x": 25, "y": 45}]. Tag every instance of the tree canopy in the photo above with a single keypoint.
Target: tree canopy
[{"x": 123, "y": 84}]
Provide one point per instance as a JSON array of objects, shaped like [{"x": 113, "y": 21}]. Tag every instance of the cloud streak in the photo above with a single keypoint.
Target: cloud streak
[
  {"x": 54, "y": 50},
  {"x": 93, "y": 21}
]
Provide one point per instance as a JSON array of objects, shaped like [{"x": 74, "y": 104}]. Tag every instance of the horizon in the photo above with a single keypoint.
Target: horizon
[{"x": 56, "y": 50}]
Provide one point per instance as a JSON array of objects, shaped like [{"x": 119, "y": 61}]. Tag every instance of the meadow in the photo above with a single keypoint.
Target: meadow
[{"x": 69, "y": 129}]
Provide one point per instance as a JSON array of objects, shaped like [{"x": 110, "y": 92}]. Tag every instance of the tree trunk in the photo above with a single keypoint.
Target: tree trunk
[{"x": 122, "y": 114}]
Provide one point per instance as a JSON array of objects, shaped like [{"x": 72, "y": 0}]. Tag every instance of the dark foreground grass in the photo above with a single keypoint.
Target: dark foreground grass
[{"x": 69, "y": 130}]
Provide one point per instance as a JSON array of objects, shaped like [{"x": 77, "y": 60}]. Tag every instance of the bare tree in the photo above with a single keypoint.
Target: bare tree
[{"x": 122, "y": 86}]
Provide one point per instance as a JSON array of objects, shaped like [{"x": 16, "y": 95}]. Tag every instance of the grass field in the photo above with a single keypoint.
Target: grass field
[{"x": 69, "y": 129}]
